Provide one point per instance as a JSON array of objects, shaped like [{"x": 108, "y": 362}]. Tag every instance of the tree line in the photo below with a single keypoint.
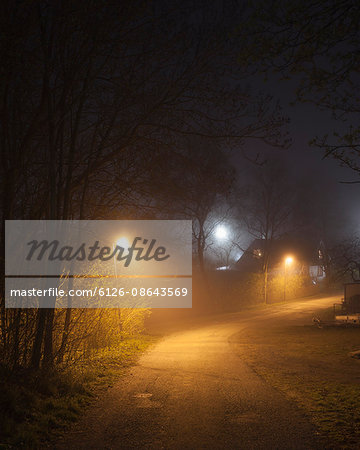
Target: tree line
[{"x": 114, "y": 110}]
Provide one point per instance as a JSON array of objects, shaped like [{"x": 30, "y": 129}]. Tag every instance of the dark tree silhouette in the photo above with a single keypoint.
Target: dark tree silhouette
[
  {"x": 91, "y": 92},
  {"x": 267, "y": 210},
  {"x": 318, "y": 43}
]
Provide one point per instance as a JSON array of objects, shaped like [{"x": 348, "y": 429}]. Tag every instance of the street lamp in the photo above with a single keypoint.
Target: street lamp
[
  {"x": 221, "y": 233},
  {"x": 122, "y": 242},
  {"x": 287, "y": 263}
]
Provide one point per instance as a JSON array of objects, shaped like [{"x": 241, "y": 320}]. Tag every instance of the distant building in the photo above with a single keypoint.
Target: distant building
[{"x": 307, "y": 257}]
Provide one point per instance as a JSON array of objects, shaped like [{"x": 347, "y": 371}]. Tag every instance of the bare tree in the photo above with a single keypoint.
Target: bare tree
[
  {"x": 93, "y": 94},
  {"x": 267, "y": 210},
  {"x": 318, "y": 43}
]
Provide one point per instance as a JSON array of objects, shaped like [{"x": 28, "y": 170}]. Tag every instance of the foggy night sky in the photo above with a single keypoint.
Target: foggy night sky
[
  {"x": 306, "y": 122},
  {"x": 305, "y": 161}
]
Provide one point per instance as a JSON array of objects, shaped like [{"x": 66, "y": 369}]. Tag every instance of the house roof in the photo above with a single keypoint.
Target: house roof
[{"x": 303, "y": 251}]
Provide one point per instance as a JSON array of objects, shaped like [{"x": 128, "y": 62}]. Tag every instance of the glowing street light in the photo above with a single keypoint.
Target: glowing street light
[
  {"x": 287, "y": 263},
  {"x": 221, "y": 232},
  {"x": 289, "y": 260},
  {"x": 121, "y": 242}
]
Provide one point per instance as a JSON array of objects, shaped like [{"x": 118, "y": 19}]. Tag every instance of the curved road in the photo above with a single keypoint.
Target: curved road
[{"x": 192, "y": 391}]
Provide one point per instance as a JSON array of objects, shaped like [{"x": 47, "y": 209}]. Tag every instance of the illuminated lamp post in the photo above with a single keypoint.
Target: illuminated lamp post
[
  {"x": 287, "y": 263},
  {"x": 124, "y": 243}
]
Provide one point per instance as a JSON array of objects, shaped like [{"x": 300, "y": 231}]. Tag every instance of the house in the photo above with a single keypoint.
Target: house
[{"x": 306, "y": 257}]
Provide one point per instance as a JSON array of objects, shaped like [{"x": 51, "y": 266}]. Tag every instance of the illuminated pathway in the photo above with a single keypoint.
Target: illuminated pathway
[{"x": 192, "y": 391}]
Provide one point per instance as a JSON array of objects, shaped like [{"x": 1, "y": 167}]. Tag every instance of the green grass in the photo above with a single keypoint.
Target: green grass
[
  {"x": 312, "y": 367},
  {"x": 34, "y": 407}
]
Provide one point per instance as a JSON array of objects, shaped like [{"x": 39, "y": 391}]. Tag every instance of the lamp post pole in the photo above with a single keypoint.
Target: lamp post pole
[
  {"x": 287, "y": 262},
  {"x": 285, "y": 280}
]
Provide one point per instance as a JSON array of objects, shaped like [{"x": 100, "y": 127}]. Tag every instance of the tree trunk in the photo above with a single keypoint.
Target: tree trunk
[
  {"x": 36, "y": 355},
  {"x": 48, "y": 341},
  {"x": 65, "y": 334}
]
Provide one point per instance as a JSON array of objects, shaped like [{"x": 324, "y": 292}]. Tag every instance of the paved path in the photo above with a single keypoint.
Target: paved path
[{"x": 192, "y": 391}]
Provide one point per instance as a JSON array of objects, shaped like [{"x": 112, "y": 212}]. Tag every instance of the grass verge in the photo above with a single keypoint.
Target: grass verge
[
  {"x": 312, "y": 366},
  {"x": 34, "y": 407}
]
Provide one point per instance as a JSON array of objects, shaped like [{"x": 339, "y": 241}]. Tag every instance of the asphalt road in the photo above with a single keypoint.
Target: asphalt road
[{"x": 193, "y": 391}]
